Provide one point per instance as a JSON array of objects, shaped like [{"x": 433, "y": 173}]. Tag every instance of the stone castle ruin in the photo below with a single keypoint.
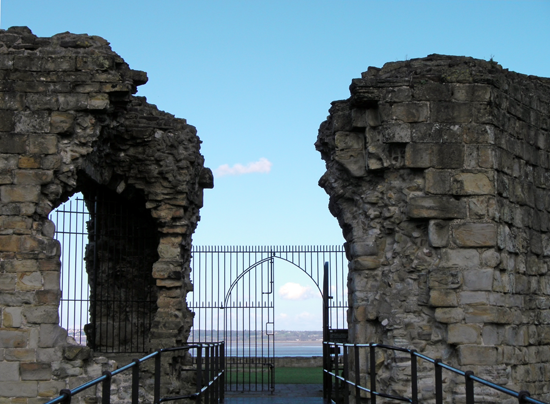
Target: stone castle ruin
[
  {"x": 69, "y": 123},
  {"x": 438, "y": 170}
]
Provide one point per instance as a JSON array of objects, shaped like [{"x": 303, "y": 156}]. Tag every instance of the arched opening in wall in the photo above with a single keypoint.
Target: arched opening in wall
[{"x": 109, "y": 244}]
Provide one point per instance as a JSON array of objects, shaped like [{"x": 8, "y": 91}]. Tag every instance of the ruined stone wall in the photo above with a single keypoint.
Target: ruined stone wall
[
  {"x": 437, "y": 170},
  {"x": 69, "y": 123}
]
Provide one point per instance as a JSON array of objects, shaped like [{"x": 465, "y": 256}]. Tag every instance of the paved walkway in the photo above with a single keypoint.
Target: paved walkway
[{"x": 284, "y": 393}]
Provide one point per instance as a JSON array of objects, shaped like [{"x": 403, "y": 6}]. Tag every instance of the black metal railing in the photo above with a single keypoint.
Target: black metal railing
[
  {"x": 208, "y": 365},
  {"x": 338, "y": 387}
]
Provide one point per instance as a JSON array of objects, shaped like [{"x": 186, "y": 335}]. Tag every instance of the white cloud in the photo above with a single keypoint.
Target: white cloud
[
  {"x": 295, "y": 291},
  {"x": 263, "y": 165}
]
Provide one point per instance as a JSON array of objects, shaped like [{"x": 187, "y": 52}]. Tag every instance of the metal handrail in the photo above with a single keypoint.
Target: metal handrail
[
  {"x": 213, "y": 373},
  {"x": 341, "y": 377}
]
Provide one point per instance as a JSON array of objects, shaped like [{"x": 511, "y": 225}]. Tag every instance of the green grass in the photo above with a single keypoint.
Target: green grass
[{"x": 282, "y": 376}]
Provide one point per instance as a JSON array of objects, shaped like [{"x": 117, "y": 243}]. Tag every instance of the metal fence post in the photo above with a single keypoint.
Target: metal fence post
[
  {"x": 67, "y": 396},
  {"x": 199, "y": 373},
  {"x": 106, "y": 388},
  {"x": 222, "y": 381},
  {"x": 156, "y": 390},
  {"x": 372, "y": 374},
  {"x": 135, "y": 382},
  {"x": 438, "y": 382},
  {"x": 414, "y": 378},
  {"x": 357, "y": 374},
  {"x": 207, "y": 372},
  {"x": 469, "y": 387},
  {"x": 345, "y": 390}
]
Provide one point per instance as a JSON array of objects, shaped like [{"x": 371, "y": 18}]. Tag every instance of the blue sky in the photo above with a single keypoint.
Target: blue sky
[{"x": 257, "y": 77}]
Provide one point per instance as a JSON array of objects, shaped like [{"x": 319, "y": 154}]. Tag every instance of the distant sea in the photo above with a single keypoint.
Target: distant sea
[{"x": 282, "y": 348}]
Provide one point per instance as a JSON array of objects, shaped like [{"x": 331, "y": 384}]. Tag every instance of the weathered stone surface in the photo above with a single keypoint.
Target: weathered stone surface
[
  {"x": 433, "y": 207},
  {"x": 459, "y": 155},
  {"x": 474, "y": 234},
  {"x": 477, "y": 355},
  {"x": 463, "y": 334}
]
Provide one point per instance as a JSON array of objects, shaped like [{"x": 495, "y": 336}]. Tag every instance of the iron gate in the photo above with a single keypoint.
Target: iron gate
[
  {"x": 107, "y": 252},
  {"x": 234, "y": 300}
]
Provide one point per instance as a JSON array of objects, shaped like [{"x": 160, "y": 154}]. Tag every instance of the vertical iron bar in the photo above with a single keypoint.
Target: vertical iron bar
[
  {"x": 345, "y": 390},
  {"x": 469, "y": 387},
  {"x": 336, "y": 372},
  {"x": 106, "y": 388},
  {"x": 222, "y": 381},
  {"x": 156, "y": 391},
  {"x": 135, "y": 382},
  {"x": 372, "y": 374},
  {"x": 414, "y": 378},
  {"x": 207, "y": 372},
  {"x": 95, "y": 319},
  {"x": 326, "y": 354},
  {"x": 438, "y": 382},
  {"x": 199, "y": 373},
  {"x": 357, "y": 374}
]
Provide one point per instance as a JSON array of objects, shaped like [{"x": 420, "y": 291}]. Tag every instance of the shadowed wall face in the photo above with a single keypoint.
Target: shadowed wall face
[
  {"x": 437, "y": 172},
  {"x": 69, "y": 123}
]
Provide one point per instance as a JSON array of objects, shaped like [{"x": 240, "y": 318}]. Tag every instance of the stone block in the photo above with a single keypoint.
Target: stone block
[
  {"x": 463, "y": 334},
  {"x": 98, "y": 101},
  {"x": 436, "y": 207},
  {"x": 451, "y": 112},
  {"x": 443, "y": 298},
  {"x": 27, "y": 62},
  {"x": 35, "y": 371},
  {"x": 9, "y": 371},
  {"x": 10, "y": 243},
  {"x": 359, "y": 118},
  {"x": 43, "y": 144},
  {"x": 365, "y": 263},
  {"x": 94, "y": 62},
  {"x": 474, "y": 234},
  {"x": 473, "y": 298},
  {"x": 449, "y": 315},
  {"x": 7, "y": 123},
  {"x": 13, "y": 143},
  {"x": 472, "y": 184},
  {"x": 13, "y": 338},
  {"x": 395, "y": 133},
  {"x": 516, "y": 335},
  {"x": 49, "y": 354},
  {"x": 41, "y": 314},
  {"x": 41, "y": 101},
  {"x": 29, "y": 281},
  {"x": 20, "y": 354},
  {"x": 18, "y": 389},
  {"x": 445, "y": 278},
  {"x": 461, "y": 257},
  {"x": 76, "y": 352},
  {"x": 358, "y": 249},
  {"x": 73, "y": 102},
  {"x": 51, "y": 335},
  {"x": 61, "y": 122},
  {"x": 418, "y": 155},
  {"x": 21, "y": 193},
  {"x": 477, "y": 355},
  {"x": 12, "y": 101},
  {"x": 32, "y": 122},
  {"x": 59, "y": 63},
  {"x": 430, "y": 91},
  {"x": 50, "y": 389},
  {"x": 33, "y": 177},
  {"x": 438, "y": 182},
  {"x": 48, "y": 297},
  {"x": 471, "y": 92},
  {"x": 478, "y": 279},
  {"x": 410, "y": 112},
  {"x": 11, "y": 317},
  {"x": 488, "y": 314},
  {"x": 7, "y": 281}
]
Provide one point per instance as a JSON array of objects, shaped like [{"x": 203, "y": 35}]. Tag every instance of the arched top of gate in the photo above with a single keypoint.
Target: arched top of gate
[{"x": 284, "y": 253}]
